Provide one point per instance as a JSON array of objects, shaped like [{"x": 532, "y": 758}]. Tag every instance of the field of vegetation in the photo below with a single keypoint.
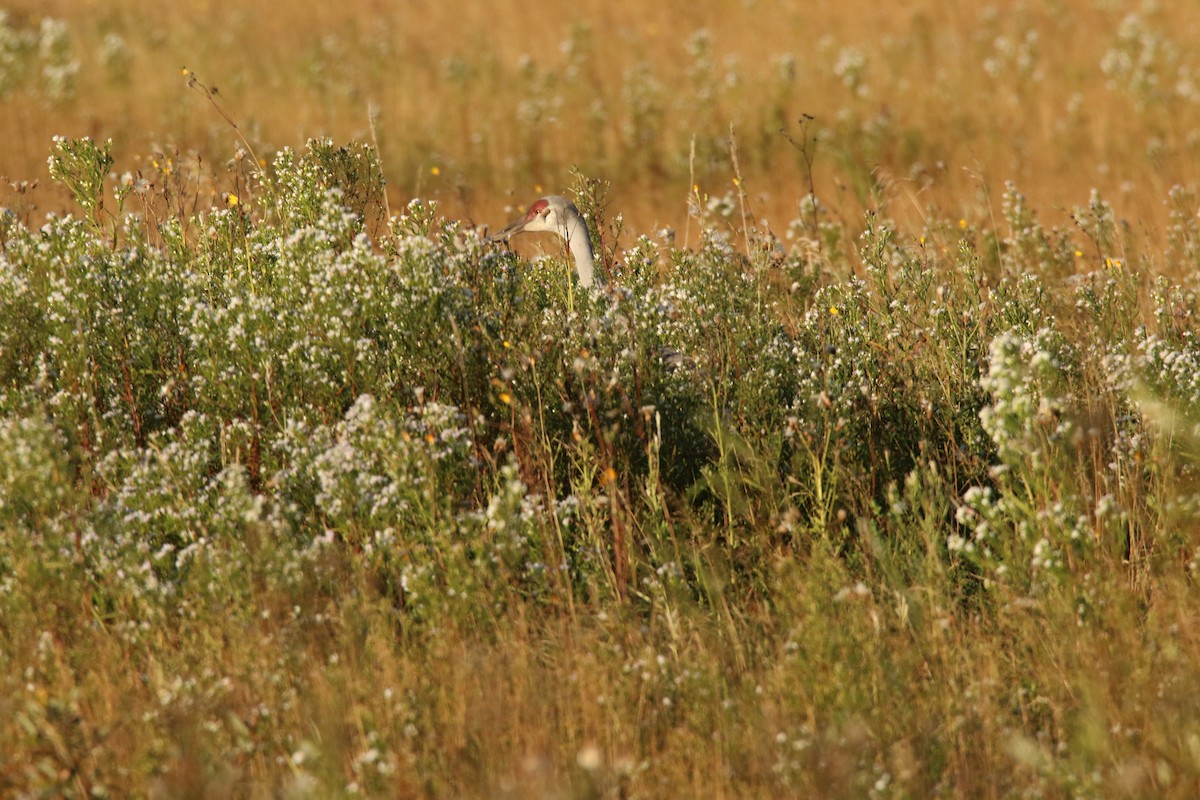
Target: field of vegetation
[{"x": 307, "y": 490}]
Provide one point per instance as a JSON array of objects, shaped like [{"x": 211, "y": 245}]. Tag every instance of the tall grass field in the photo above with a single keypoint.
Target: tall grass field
[{"x": 872, "y": 471}]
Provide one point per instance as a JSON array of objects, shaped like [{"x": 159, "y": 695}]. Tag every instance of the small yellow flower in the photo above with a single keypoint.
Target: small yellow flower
[
  {"x": 505, "y": 398},
  {"x": 834, "y": 310},
  {"x": 962, "y": 223},
  {"x": 507, "y": 344},
  {"x": 232, "y": 200},
  {"x": 429, "y": 438},
  {"x": 737, "y": 182},
  {"x": 184, "y": 71},
  {"x": 1079, "y": 254},
  {"x": 434, "y": 171},
  {"x": 608, "y": 476}
]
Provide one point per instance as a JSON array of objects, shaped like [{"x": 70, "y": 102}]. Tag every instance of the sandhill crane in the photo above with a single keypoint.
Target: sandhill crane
[{"x": 557, "y": 214}]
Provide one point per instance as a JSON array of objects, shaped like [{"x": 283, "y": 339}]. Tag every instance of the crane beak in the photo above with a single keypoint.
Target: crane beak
[{"x": 515, "y": 227}]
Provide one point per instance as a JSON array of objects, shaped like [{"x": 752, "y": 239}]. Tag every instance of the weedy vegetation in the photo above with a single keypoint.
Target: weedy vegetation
[{"x": 309, "y": 492}]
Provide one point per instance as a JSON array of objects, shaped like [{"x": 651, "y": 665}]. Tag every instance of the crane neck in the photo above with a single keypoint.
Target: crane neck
[{"x": 580, "y": 245}]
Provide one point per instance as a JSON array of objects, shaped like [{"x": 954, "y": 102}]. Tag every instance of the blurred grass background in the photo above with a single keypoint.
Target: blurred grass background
[{"x": 483, "y": 106}]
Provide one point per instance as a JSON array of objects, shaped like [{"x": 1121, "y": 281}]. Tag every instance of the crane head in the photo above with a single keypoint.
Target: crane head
[{"x": 552, "y": 214}]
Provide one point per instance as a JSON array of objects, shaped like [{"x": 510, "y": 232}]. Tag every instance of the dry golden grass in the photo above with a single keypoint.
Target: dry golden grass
[
  {"x": 804, "y": 651},
  {"x": 952, "y": 100}
]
